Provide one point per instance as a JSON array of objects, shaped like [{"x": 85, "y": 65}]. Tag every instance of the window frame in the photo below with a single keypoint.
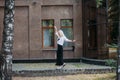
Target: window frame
[
  {"x": 67, "y": 27},
  {"x": 47, "y": 28}
]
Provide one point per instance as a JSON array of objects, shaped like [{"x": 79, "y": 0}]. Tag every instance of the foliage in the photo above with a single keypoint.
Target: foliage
[
  {"x": 111, "y": 62},
  {"x": 112, "y": 45},
  {"x": 113, "y": 19},
  {"x": 99, "y": 2}
]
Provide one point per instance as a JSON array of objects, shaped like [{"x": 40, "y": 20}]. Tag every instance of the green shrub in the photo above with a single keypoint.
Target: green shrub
[{"x": 111, "y": 63}]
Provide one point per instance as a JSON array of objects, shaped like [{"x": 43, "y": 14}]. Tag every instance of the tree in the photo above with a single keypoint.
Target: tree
[
  {"x": 113, "y": 19},
  {"x": 118, "y": 61},
  {"x": 7, "y": 42}
]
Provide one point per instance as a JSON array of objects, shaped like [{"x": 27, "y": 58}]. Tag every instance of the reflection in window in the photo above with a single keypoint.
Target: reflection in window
[
  {"x": 48, "y": 33},
  {"x": 66, "y": 26},
  {"x": 66, "y": 22},
  {"x": 48, "y": 37},
  {"x": 92, "y": 34},
  {"x": 47, "y": 23}
]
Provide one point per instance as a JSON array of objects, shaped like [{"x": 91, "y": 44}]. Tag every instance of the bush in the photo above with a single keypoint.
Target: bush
[{"x": 111, "y": 63}]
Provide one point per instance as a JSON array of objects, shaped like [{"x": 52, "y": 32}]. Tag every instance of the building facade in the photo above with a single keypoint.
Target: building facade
[
  {"x": 95, "y": 30},
  {"x": 34, "y": 36}
]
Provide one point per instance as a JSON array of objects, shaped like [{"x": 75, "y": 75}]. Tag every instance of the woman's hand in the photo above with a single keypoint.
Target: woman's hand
[
  {"x": 73, "y": 40},
  {"x": 55, "y": 27}
]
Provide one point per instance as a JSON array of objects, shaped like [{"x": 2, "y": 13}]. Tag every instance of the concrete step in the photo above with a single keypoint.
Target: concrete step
[{"x": 49, "y": 69}]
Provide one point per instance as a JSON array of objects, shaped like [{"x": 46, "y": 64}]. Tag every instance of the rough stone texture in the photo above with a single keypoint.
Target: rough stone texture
[{"x": 49, "y": 69}]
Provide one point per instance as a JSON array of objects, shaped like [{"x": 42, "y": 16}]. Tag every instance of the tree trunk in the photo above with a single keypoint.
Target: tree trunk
[
  {"x": 118, "y": 60},
  {"x": 7, "y": 42}
]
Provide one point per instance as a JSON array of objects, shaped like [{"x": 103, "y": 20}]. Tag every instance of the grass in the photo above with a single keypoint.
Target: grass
[{"x": 109, "y": 76}]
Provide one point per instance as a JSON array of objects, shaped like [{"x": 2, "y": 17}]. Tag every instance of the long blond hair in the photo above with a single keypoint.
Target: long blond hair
[{"x": 60, "y": 33}]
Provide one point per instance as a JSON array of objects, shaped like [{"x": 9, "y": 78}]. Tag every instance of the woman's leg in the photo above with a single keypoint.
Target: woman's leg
[{"x": 59, "y": 60}]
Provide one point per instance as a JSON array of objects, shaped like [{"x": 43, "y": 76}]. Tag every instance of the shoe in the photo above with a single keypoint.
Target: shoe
[
  {"x": 64, "y": 64},
  {"x": 59, "y": 67}
]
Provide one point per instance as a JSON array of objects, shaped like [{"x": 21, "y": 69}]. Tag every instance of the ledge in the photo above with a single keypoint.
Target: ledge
[
  {"x": 65, "y": 49},
  {"x": 93, "y": 61}
]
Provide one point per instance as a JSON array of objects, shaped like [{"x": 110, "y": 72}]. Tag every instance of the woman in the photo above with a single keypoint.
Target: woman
[{"x": 60, "y": 41}]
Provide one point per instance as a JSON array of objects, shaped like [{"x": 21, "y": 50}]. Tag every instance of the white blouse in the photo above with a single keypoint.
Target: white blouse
[{"x": 62, "y": 39}]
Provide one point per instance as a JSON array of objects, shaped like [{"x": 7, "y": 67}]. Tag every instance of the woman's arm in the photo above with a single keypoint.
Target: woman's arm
[
  {"x": 68, "y": 40},
  {"x": 56, "y": 31}
]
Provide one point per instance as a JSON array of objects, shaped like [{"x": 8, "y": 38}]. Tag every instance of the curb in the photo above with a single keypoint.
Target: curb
[{"x": 56, "y": 72}]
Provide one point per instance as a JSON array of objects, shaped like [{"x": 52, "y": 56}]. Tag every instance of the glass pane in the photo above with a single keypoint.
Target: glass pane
[
  {"x": 67, "y": 22},
  {"x": 48, "y": 23},
  {"x": 48, "y": 38},
  {"x": 92, "y": 36},
  {"x": 69, "y": 34}
]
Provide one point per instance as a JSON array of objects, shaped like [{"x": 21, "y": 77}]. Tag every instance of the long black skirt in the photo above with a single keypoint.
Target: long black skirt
[{"x": 59, "y": 60}]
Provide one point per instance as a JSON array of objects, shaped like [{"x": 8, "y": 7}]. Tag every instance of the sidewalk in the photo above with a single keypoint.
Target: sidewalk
[{"x": 47, "y": 69}]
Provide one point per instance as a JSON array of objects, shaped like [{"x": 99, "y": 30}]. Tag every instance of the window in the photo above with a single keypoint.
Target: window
[
  {"x": 48, "y": 33},
  {"x": 92, "y": 34},
  {"x": 66, "y": 26}
]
